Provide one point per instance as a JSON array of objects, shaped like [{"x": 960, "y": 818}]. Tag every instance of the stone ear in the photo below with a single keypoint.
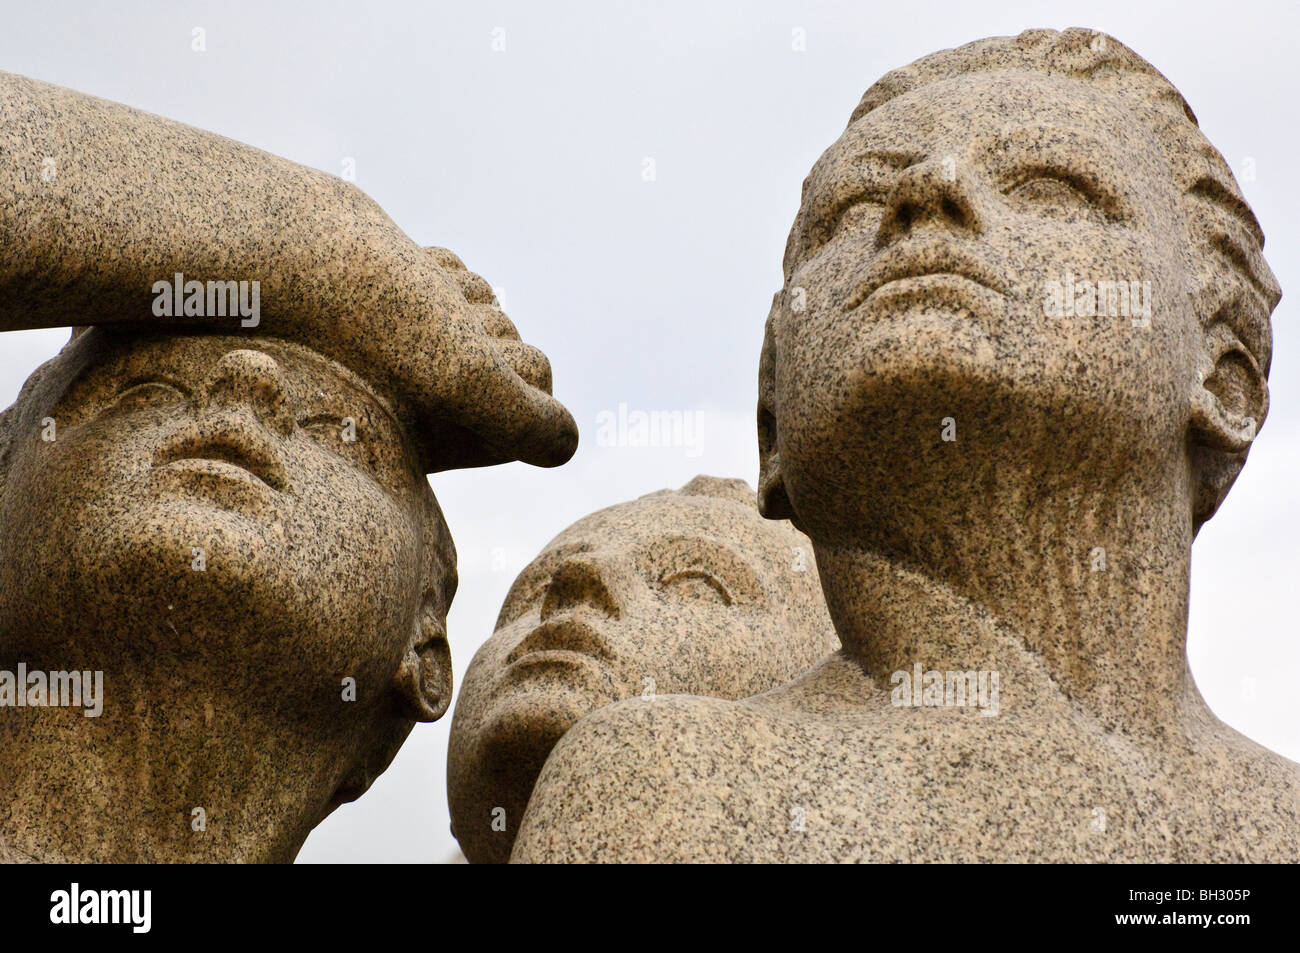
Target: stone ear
[
  {"x": 1230, "y": 399},
  {"x": 423, "y": 680},
  {"x": 773, "y": 502}
]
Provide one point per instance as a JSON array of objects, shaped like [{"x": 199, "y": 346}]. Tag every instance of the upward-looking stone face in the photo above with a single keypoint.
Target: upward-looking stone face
[
  {"x": 673, "y": 593},
  {"x": 237, "y": 502},
  {"x": 937, "y": 270},
  {"x": 1001, "y": 476}
]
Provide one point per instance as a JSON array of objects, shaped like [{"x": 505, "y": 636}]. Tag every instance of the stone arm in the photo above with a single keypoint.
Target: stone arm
[{"x": 99, "y": 201}]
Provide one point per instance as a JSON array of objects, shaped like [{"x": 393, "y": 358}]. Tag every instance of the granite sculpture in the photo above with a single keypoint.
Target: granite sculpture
[
  {"x": 224, "y": 578},
  {"x": 1019, "y": 358}
]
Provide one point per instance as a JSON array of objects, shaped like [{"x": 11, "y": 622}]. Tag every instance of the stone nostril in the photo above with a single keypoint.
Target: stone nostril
[
  {"x": 579, "y": 583},
  {"x": 928, "y": 192},
  {"x": 254, "y": 379}
]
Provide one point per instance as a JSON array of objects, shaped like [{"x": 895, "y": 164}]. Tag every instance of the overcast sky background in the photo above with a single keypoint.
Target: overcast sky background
[{"x": 528, "y": 162}]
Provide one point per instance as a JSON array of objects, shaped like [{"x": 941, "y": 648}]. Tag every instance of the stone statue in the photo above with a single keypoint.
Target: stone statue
[
  {"x": 687, "y": 592},
  {"x": 1019, "y": 359},
  {"x": 223, "y": 576}
]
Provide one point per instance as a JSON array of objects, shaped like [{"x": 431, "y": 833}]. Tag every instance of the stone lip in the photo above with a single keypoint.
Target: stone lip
[
  {"x": 929, "y": 259},
  {"x": 238, "y": 446}
]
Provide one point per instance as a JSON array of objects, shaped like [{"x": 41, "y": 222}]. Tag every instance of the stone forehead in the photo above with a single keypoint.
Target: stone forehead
[
  {"x": 673, "y": 513},
  {"x": 1076, "y": 53},
  {"x": 1034, "y": 97},
  {"x": 201, "y": 350}
]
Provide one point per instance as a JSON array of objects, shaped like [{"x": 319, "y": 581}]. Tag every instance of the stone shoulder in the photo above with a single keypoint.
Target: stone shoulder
[{"x": 645, "y": 780}]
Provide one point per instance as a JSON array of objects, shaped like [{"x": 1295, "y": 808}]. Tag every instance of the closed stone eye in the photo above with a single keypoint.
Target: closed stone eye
[
  {"x": 149, "y": 393},
  {"x": 695, "y": 584},
  {"x": 327, "y": 425},
  {"x": 1053, "y": 190}
]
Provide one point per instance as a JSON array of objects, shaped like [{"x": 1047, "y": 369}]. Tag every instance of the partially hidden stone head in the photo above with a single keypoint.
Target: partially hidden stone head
[
  {"x": 238, "y": 531},
  {"x": 677, "y": 592},
  {"x": 1025, "y": 242}
]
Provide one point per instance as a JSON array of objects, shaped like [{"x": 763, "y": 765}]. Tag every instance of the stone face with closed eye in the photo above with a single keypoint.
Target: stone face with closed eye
[{"x": 683, "y": 592}]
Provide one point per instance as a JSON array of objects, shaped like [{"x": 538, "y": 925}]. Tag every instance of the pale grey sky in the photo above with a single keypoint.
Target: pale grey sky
[{"x": 528, "y": 162}]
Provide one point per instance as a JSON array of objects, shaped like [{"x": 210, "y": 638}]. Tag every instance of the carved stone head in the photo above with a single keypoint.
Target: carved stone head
[
  {"x": 1026, "y": 241},
  {"x": 678, "y": 592},
  {"x": 237, "y": 531}
]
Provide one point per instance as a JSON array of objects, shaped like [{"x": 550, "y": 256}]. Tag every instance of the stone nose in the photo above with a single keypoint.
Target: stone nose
[
  {"x": 581, "y": 581},
  {"x": 252, "y": 379},
  {"x": 938, "y": 191}
]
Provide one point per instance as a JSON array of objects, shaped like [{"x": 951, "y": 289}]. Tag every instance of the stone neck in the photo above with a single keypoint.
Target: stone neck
[
  {"x": 125, "y": 786},
  {"x": 1091, "y": 581}
]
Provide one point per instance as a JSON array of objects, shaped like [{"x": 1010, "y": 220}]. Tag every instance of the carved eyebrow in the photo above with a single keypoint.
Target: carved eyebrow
[
  {"x": 709, "y": 552},
  {"x": 694, "y": 540},
  {"x": 123, "y": 369},
  {"x": 1054, "y": 170},
  {"x": 1208, "y": 188},
  {"x": 532, "y": 577},
  {"x": 544, "y": 566},
  {"x": 1058, "y": 146},
  {"x": 564, "y": 551},
  {"x": 318, "y": 404},
  {"x": 1056, "y": 151},
  {"x": 862, "y": 164},
  {"x": 156, "y": 377},
  {"x": 828, "y": 199},
  {"x": 322, "y": 365},
  {"x": 893, "y": 159}
]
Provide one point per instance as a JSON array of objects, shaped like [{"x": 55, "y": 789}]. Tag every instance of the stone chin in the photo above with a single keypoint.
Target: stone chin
[
  {"x": 913, "y": 409},
  {"x": 135, "y": 550},
  {"x": 523, "y": 724},
  {"x": 120, "y": 575}
]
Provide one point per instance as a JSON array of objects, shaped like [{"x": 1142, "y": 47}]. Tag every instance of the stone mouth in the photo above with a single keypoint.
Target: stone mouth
[
  {"x": 232, "y": 447},
  {"x": 566, "y": 633},
  {"x": 938, "y": 260}
]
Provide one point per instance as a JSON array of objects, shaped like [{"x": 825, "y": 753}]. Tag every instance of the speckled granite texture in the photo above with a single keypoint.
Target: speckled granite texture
[
  {"x": 1002, "y": 472},
  {"x": 684, "y": 592},
  {"x": 229, "y": 521}
]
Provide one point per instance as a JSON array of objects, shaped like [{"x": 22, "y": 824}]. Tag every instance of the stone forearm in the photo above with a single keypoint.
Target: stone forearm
[{"x": 99, "y": 201}]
